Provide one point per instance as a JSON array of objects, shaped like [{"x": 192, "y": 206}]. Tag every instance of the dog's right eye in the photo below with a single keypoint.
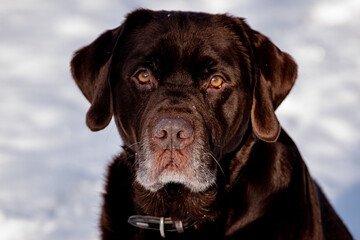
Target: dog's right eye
[{"x": 143, "y": 76}]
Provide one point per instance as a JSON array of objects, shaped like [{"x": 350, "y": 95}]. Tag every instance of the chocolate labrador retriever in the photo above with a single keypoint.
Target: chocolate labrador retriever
[{"x": 193, "y": 96}]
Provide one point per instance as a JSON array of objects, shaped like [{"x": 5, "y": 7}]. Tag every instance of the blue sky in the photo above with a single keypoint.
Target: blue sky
[{"x": 52, "y": 167}]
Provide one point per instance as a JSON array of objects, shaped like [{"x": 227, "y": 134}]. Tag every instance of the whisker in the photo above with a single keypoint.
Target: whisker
[
  {"x": 126, "y": 147},
  {"x": 133, "y": 166},
  {"x": 217, "y": 162}
]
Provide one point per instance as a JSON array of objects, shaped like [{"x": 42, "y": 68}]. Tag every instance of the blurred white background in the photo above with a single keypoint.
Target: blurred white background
[{"x": 52, "y": 167}]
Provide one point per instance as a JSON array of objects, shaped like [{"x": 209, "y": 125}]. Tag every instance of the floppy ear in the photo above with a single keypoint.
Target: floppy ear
[
  {"x": 275, "y": 74},
  {"x": 90, "y": 68}
]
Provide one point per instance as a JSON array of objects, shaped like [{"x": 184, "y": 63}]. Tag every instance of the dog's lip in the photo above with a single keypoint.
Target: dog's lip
[
  {"x": 171, "y": 164},
  {"x": 171, "y": 160},
  {"x": 171, "y": 168}
]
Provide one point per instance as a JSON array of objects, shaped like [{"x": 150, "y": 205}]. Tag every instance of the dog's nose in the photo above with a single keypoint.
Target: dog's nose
[{"x": 173, "y": 133}]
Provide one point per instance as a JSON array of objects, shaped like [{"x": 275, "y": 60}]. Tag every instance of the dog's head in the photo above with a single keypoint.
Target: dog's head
[{"x": 184, "y": 89}]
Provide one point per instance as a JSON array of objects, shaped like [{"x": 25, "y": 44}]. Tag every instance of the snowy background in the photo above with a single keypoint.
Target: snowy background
[{"x": 52, "y": 167}]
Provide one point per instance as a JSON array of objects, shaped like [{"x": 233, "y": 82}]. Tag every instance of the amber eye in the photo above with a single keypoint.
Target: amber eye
[
  {"x": 143, "y": 76},
  {"x": 216, "y": 81}
]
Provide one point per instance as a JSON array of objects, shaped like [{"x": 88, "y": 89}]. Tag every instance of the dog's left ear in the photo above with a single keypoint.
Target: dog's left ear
[
  {"x": 275, "y": 74},
  {"x": 90, "y": 68}
]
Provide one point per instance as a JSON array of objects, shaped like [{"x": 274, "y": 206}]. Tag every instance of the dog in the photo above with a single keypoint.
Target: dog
[{"x": 193, "y": 96}]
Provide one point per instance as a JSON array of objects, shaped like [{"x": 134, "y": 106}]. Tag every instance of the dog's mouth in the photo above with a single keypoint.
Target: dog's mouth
[{"x": 169, "y": 170}]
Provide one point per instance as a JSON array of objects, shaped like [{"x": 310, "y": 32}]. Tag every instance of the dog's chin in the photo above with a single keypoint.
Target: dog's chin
[{"x": 170, "y": 178}]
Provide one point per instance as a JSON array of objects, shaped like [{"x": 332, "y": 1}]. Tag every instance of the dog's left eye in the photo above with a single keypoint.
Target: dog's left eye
[
  {"x": 143, "y": 76},
  {"x": 216, "y": 81}
]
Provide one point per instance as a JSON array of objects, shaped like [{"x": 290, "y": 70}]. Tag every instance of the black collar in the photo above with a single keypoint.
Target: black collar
[{"x": 160, "y": 224}]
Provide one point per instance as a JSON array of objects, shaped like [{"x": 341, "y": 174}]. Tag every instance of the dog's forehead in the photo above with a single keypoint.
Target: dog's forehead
[
  {"x": 177, "y": 24},
  {"x": 174, "y": 36}
]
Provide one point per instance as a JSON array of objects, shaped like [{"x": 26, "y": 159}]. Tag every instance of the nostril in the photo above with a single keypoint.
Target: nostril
[
  {"x": 162, "y": 134},
  {"x": 185, "y": 134},
  {"x": 180, "y": 134}
]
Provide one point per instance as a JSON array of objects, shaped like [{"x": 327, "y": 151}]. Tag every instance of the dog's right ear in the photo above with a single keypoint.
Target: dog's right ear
[{"x": 90, "y": 68}]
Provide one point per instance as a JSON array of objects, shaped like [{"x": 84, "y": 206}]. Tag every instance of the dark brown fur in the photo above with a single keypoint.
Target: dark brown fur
[{"x": 241, "y": 176}]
